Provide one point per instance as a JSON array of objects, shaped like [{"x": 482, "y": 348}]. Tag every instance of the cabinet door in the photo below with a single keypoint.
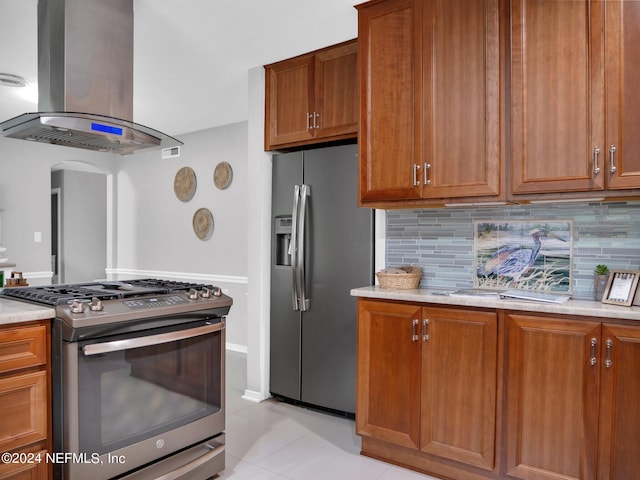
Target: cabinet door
[
  {"x": 290, "y": 99},
  {"x": 388, "y": 55},
  {"x": 622, "y": 167},
  {"x": 336, "y": 91},
  {"x": 388, "y": 372},
  {"x": 461, "y": 70},
  {"x": 552, "y": 398},
  {"x": 619, "y": 442},
  {"x": 557, "y": 104},
  {"x": 459, "y": 385}
]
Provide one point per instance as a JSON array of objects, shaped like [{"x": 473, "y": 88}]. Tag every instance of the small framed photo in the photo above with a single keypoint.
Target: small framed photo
[{"x": 621, "y": 287}]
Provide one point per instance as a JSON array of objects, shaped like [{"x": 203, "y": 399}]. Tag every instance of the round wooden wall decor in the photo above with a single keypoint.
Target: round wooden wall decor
[
  {"x": 184, "y": 184},
  {"x": 222, "y": 175},
  {"x": 203, "y": 223}
]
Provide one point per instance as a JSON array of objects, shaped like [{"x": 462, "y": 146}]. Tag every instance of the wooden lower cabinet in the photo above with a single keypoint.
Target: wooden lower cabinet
[
  {"x": 552, "y": 398},
  {"x": 472, "y": 394},
  {"x": 25, "y": 400},
  {"x": 619, "y": 432},
  {"x": 388, "y": 373},
  {"x": 573, "y": 389},
  {"x": 37, "y": 470},
  {"x": 427, "y": 383}
]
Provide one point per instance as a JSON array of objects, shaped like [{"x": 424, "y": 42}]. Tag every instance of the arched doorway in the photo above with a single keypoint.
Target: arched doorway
[{"x": 79, "y": 225}]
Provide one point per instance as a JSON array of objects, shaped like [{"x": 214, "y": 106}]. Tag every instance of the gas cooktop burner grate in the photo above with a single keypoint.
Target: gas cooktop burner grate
[
  {"x": 170, "y": 286},
  {"x": 62, "y": 294}
]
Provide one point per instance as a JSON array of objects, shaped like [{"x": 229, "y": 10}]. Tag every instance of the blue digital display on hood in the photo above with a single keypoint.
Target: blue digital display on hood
[{"x": 98, "y": 127}]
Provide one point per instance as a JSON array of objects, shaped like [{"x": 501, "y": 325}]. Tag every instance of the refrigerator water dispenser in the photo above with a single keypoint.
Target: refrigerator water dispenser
[{"x": 283, "y": 240}]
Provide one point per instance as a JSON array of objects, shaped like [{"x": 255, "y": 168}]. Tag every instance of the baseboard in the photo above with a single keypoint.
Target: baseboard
[
  {"x": 235, "y": 347},
  {"x": 254, "y": 396}
]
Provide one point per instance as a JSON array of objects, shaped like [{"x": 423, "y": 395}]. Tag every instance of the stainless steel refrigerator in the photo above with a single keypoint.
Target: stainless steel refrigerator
[{"x": 322, "y": 247}]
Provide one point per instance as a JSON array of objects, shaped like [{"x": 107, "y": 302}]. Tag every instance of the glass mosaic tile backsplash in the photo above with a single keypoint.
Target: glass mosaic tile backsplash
[{"x": 441, "y": 240}]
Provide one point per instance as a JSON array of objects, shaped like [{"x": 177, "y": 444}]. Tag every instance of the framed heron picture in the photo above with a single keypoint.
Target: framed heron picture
[{"x": 530, "y": 255}]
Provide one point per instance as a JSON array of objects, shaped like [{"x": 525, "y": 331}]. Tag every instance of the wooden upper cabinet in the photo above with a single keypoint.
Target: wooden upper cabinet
[
  {"x": 289, "y": 90},
  {"x": 312, "y": 98},
  {"x": 621, "y": 164},
  {"x": 388, "y": 36},
  {"x": 460, "y": 133},
  {"x": 336, "y": 91},
  {"x": 574, "y": 110},
  {"x": 430, "y": 102},
  {"x": 557, "y": 99}
]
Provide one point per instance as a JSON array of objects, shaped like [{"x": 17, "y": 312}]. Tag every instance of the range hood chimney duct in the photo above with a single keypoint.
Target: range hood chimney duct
[{"x": 85, "y": 80}]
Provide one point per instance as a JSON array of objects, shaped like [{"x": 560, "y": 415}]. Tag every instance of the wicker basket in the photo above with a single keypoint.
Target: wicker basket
[{"x": 400, "y": 281}]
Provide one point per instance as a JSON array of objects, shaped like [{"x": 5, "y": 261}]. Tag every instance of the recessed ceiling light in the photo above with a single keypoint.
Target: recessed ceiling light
[{"x": 9, "y": 80}]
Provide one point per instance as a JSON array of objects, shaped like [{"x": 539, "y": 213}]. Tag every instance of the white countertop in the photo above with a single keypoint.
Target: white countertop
[
  {"x": 581, "y": 307},
  {"x": 12, "y": 311}
]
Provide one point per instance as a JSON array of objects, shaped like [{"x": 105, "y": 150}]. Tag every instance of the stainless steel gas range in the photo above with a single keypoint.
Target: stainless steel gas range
[{"x": 138, "y": 371}]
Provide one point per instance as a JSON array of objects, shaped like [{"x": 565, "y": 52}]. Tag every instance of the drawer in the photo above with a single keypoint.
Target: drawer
[
  {"x": 23, "y": 347},
  {"x": 34, "y": 469},
  {"x": 23, "y": 399}
]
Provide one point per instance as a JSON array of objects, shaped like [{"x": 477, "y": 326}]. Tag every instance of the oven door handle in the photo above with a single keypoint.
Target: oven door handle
[
  {"x": 129, "y": 343},
  {"x": 183, "y": 471}
]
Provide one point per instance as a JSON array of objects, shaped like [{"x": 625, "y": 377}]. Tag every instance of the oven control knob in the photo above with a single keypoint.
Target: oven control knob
[
  {"x": 96, "y": 305},
  {"x": 217, "y": 291},
  {"x": 76, "y": 306},
  {"x": 205, "y": 292},
  {"x": 193, "y": 294}
]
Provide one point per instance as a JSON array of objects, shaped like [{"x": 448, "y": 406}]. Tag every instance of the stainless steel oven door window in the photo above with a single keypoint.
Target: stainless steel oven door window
[{"x": 140, "y": 397}]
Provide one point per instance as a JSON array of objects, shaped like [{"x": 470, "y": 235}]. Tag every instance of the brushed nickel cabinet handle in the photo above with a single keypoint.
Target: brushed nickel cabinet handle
[
  {"x": 594, "y": 342},
  {"x": 416, "y": 167},
  {"x": 425, "y": 173},
  {"x": 414, "y": 330},
  {"x": 309, "y": 117},
  {"x": 612, "y": 164},
  {"x": 425, "y": 335},
  {"x": 596, "y": 168},
  {"x": 608, "y": 362}
]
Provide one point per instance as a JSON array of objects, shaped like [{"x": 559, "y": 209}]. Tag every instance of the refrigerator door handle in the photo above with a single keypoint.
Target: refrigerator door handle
[
  {"x": 294, "y": 246},
  {"x": 303, "y": 302}
]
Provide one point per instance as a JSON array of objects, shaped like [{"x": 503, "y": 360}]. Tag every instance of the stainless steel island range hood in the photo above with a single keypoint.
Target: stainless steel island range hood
[{"x": 85, "y": 80}]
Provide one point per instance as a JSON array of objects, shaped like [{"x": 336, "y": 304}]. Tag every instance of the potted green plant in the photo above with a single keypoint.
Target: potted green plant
[{"x": 600, "y": 279}]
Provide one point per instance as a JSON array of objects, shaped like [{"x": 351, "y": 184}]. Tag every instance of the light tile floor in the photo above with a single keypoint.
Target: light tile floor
[{"x": 273, "y": 440}]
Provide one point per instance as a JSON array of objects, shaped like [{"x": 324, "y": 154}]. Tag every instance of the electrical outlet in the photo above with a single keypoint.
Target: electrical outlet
[{"x": 37, "y": 237}]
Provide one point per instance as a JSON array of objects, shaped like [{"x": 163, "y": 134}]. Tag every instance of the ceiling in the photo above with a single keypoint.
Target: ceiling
[{"x": 191, "y": 57}]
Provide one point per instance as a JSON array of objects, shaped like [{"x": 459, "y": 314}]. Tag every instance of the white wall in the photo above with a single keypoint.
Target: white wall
[
  {"x": 155, "y": 236},
  {"x": 25, "y": 178},
  {"x": 152, "y": 230}
]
